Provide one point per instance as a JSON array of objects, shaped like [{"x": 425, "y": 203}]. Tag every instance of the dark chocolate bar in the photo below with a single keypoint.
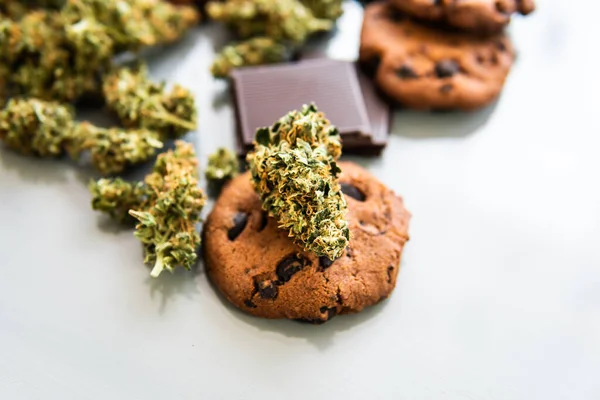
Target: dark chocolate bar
[{"x": 264, "y": 94}]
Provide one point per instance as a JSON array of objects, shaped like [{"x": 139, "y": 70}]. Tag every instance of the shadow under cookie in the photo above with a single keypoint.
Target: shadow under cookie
[{"x": 261, "y": 271}]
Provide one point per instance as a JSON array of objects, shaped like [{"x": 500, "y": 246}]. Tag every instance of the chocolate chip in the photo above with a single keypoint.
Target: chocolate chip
[
  {"x": 395, "y": 15},
  {"x": 447, "y": 88},
  {"x": 371, "y": 66},
  {"x": 331, "y": 311},
  {"x": 249, "y": 303},
  {"x": 288, "y": 267},
  {"x": 500, "y": 45},
  {"x": 239, "y": 223},
  {"x": 325, "y": 262},
  {"x": 501, "y": 8},
  {"x": 480, "y": 58},
  {"x": 352, "y": 191},
  {"x": 267, "y": 289},
  {"x": 311, "y": 321},
  {"x": 406, "y": 72},
  {"x": 264, "y": 220},
  {"x": 390, "y": 269},
  {"x": 446, "y": 68}
]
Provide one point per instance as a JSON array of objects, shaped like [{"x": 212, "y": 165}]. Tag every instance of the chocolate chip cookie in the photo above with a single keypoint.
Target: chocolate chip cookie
[
  {"x": 424, "y": 67},
  {"x": 473, "y": 15},
  {"x": 261, "y": 271}
]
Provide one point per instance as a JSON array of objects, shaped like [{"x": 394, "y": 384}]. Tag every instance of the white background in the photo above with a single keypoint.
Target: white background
[{"x": 498, "y": 296}]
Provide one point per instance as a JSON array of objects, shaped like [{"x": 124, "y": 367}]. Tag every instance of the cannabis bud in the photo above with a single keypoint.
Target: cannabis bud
[
  {"x": 327, "y": 9},
  {"x": 255, "y": 51},
  {"x": 47, "y": 129},
  {"x": 113, "y": 150},
  {"x": 60, "y": 54},
  {"x": 166, "y": 206},
  {"x": 141, "y": 103},
  {"x": 133, "y": 24},
  {"x": 222, "y": 165},
  {"x": 116, "y": 197},
  {"x": 295, "y": 173},
  {"x": 281, "y": 20},
  {"x": 167, "y": 226},
  {"x": 34, "y": 127}
]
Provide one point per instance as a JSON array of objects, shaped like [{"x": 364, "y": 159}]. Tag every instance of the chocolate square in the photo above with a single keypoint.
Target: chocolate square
[{"x": 264, "y": 94}]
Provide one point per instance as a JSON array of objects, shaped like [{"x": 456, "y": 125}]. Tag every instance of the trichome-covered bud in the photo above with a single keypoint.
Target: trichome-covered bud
[
  {"x": 295, "y": 173},
  {"x": 34, "y": 127},
  {"x": 255, "y": 51},
  {"x": 327, "y": 9},
  {"x": 41, "y": 59},
  {"x": 60, "y": 55},
  {"x": 281, "y": 20},
  {"x": 112, "y": 150},
  {"x": 222, "y": 165},
  {"x": 167, "y": 226},
  {"x": 141, "y": 103},
  {"x": 91, "y": 45},
  {"x": 116, "y": 197},
  {"x": 134, "y": 24}
]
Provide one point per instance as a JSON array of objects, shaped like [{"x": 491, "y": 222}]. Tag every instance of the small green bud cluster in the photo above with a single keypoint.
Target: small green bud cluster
[
  {"x": 326, "y": 9},
  {"x": 281, "y": 20},
  {"x": 223, "y": 165},
  {"x": 48, "y": 129},
  {"x": 255, "y": 51},
  {"x": 295, "y": 173},
  {"x": 143, "y": 104},
  {"x": 61, "y": 54},
  {"x": 167, "y": 206},
  {"x": 271, "y": 28}
]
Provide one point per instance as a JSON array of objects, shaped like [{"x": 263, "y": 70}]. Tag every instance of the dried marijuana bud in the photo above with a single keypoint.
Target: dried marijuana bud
[
  {"x": 47, "y": 129},
  {"x": 222, "y": 165},
  {"x": 281, "y": 20},
  {"x": 167, "y": 226},
  {"x": 61, "y": 54},
  {"x": 34, "y": 127},
  {"x": 116, "y": 197},
  {"x": 327, "y": 9},
  {"x": 255, "y": 51},
  {"x": 141, "y": 103},
  {"x": 113, "y": 150},
  {"x": 295, "y": 173},
  {"x": 39, "y": 56},
  {"x": 133, "y": 24}
]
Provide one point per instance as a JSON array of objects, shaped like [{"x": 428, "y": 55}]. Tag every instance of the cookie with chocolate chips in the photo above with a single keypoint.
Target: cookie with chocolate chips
[
  {"x": 425, "y": 67},
  {"x": 261, "y": 271},
  {"x": 483, "y": 16}
]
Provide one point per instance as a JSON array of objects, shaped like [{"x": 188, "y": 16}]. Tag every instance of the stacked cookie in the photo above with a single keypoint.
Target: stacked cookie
[{"x": 439, "y": 54}]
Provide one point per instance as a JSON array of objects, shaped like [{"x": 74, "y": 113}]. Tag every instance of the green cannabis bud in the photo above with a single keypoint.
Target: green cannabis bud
[
  {"x": 255, "y": 51},
  {"x": 327, "y": 9},
  {"x": 222, "y": 165},
  {"x": 281, "y": 20},
  {"x": 61, "y": 54},
  {"x": 39, "y": 56},
  {"x": 133, "y": 24},
  {"x": 113, "y": 150},
  {"x": 47, "y": 129},
  {"x": 295, "y": 173},
  {"x": 34, "y": 127},
  {"x": 167, "y": 226},
  {"x": 116, "y": 197},
  {"x": 141, "y": 103}
]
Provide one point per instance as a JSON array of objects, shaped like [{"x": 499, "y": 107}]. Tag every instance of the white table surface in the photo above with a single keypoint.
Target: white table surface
[{"x": 498, "y": 296}]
